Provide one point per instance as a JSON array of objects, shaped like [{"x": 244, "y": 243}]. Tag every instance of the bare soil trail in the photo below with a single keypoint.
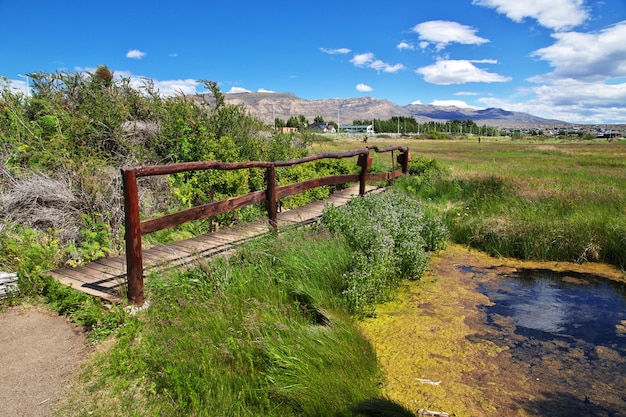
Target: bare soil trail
[{"x": 40, "y": 352}]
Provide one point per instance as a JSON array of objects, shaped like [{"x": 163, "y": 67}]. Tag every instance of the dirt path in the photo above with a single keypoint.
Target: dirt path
[{"x": 39, "y": 353}]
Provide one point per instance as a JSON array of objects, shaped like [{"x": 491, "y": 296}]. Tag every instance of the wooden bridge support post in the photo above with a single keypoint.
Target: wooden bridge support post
[
  {"x": 271, "y": 197},
  {"x": 365, "y": 162},
  {"x": 134, "y": 261},
  {"x": 404, "y": 159}
]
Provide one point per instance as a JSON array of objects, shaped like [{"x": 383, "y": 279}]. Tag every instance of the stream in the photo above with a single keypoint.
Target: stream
[{"x": 484, "y": 336}]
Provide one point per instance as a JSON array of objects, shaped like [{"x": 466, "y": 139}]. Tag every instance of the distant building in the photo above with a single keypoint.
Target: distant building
[
  {"x": 357, "y": 129},
  {"x": 608, "y": 134},
  {"x": 287, "y": 129},
  {"x": 322, "y": 127}
]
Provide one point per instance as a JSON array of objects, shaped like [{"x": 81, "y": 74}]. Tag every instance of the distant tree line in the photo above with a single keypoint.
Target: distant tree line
[
  {"x": 409, "y": 125},
  {"x": 401, "y": 124}
]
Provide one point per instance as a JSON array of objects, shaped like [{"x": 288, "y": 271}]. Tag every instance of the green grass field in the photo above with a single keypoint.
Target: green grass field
[{"x": 543, "y": 200}]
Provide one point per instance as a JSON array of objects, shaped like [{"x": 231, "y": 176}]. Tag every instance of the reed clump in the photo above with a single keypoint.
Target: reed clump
[{"x": 563, "y": 202}]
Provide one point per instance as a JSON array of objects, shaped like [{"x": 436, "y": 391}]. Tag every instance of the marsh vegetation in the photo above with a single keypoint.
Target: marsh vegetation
[{"x": 276, "y": 330}]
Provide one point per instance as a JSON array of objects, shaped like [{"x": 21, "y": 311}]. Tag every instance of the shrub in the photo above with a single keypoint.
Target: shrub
[
  {"x": 78, "y": 129},
  {"x": 390, "y": 234},
  {"x": 30, "y": 253}
]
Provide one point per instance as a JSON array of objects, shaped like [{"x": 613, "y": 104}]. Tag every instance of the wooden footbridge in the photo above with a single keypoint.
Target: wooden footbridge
[
  {"x": 120, "y": 279},
  {"x": 106, "y": 278}
]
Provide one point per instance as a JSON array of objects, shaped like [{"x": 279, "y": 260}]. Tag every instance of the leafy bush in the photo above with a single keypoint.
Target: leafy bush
[
  {"x": 95, "y": 242},
  {"x": 28, "y": 252},
  {"x": 62, "y": 148},
  {"x": 303, "y": 172},
  {"x": 437, "y": 135},
  {"x": 390, "y": 234},
  {"x": 425, "y": 167}
]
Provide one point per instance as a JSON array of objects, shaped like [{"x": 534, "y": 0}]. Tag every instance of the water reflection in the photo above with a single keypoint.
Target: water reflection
[
  {"x": 542, "y": 308},
  {"x": 567, "y": 330},
  {"x": 561, "y": 304}
]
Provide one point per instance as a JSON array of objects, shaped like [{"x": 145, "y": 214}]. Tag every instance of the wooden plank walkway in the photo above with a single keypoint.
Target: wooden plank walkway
[{"x": 106, "y": 278}]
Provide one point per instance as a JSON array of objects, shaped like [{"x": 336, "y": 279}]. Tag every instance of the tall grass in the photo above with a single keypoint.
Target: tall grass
[
  {"x": 269, "y": 331},
  {"x": 545, "y": 202},
  {"x": 263, "y": 333}
]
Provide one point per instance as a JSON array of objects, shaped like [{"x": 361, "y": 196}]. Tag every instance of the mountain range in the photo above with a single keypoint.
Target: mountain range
[{"x": 268, "y": 106}]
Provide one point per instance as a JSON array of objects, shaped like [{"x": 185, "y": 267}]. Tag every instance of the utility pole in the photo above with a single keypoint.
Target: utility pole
[{"x": 338, "y": 123}]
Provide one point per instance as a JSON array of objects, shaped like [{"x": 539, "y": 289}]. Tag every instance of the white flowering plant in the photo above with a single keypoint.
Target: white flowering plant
[{"x": 391, "y": 235}]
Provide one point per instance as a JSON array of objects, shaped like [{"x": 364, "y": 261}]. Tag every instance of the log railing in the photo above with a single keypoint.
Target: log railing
[{"x": 135, "y": 227}]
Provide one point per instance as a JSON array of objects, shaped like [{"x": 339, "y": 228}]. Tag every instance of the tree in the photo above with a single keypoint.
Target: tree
[
  {"x": 318, "y": 119},
  {"x": 215, "y": 91},
  {"x": 103, "y": 75},
  {"x": 302, "y": 121},
  {"x": 299, "y": 122},
  {"x": 292, "y": 122},
  {"x": 279, "y": 123}
]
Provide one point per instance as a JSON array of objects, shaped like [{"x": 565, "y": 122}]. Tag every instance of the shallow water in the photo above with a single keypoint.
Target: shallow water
[
  {"x": 506, "y": 337},
  {"x": 579, "y": 308},
  {"x": 568, "y": 330}
]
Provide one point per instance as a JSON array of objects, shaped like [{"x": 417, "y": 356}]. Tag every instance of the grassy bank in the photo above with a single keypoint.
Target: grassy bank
[
  {"x": 542, "y": 200},
  {"x": 262, "y": 333},
  {"x": 270, "y": 331}
]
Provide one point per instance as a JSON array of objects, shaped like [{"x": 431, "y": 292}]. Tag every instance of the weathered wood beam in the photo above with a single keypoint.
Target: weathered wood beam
[
  {"x": 201, "y": 212},
  {"x": 296, "y": 188}
]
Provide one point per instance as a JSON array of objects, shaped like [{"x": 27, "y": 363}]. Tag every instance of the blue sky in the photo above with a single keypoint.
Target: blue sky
[{"x": 562, "y": 59}]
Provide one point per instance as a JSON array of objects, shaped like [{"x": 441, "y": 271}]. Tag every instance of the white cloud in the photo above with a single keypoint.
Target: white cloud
[
  {"x": 364, "y": 88},
  {"x": 405, "y": 45},
  {"x": 367, "y": 60},
  {"x": 586, "y": 56},
  {"x": 571, "y": 101},
  {"x": 451, "y": 103},
  {"x": 446, "y": 72},
  {"x": 237, "y": 90},
  {"x": 485, "y": 61},
  {"x": 442, "y": 33},
  {"x": 362, "y": 60},
  {"x": 416, "y": 102},
  {"x": 16, "y": 86},
  {"x": 164, "y": 87},
  {"x": 379, "y": 65},
  {"x": 175, "y": 87},
  {"x": 338, "y": 51},
  {"x": 263, "y": 90},
  {"x": 466, "y": 93},
  {"x": 135, "y": 54},
  {"x": 553, "y": 14},
  {"x": 574, "y": 93}
]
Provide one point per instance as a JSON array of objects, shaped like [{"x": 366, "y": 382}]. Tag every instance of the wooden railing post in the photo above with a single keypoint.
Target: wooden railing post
[
  {"x": 365, "y": 162},
  {"x": 271, "y": 197},
  {"x": 134, "y": 261},
  {"x": 404, "y": 159}
]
